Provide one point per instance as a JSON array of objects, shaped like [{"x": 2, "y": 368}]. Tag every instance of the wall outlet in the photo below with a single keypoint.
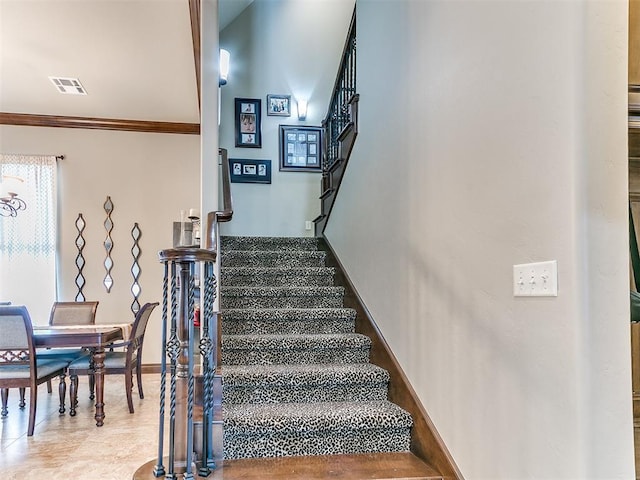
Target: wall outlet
[
  {"x": 308, "y": 225},
  {"x": 536, "y": 279}
]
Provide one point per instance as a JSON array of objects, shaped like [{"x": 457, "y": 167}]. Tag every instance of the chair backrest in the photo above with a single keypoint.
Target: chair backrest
[
  {"x": 73, "y": 313},
  {"x": 16, "y": 336},
  {"x": 139, "y": 327}
]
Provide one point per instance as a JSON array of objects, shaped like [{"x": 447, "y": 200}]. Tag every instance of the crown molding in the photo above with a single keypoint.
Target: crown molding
[{"x": 31, "y": 120}]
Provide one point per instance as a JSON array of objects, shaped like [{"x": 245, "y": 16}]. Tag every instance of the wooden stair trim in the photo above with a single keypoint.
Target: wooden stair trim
[
  {"x": 426, "y": 442},
  {"x": 327, "y": 193},
  {"x": 400, "y": 465}
]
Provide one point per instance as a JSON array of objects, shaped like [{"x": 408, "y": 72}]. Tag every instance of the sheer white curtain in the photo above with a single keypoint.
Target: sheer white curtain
[{"x": 28, "y": 241}]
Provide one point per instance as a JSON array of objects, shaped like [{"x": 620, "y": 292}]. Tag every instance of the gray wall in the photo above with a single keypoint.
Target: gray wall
[
  {"x": 280, "y": 47},
  {"x": 493, "y": 134}
]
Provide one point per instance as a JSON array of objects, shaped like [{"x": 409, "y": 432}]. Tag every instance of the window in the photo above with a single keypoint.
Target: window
[{"x": 28, "y": 240}]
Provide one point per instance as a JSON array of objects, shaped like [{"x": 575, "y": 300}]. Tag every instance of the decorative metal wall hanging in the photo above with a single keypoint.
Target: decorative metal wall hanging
[
  {"x": 136, "y": 233},
  {"x": 80, "y": 243},
  {"x": 108, "y": 245}
]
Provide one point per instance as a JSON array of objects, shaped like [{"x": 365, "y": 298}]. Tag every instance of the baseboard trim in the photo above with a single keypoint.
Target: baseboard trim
[
  {"x": 151, "y": 368},
  {"x": 426, "y": 442}
]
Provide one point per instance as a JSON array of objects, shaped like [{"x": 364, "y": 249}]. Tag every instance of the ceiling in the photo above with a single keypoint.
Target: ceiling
[{"x": 134, "y": 58}]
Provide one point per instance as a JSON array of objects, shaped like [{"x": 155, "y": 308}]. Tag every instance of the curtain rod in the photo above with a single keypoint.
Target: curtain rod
[{"x": 59, "y": 157}]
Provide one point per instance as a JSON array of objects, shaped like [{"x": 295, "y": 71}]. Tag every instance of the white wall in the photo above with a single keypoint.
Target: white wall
[
  {"x": 282, "y": 47},
  {"x": 150, "y": 178},
  {"x": 496, "y": 135}
]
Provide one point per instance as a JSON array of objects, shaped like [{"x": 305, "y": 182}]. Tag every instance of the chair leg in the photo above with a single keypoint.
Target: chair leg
[
  {"x": 32, "y": 409},
  {"x": 73, "y": 394},
  {"x": 62, "y": 392},
  {"x": 22, "y": 402},
  {"x": 139, "y": 379},
  {"x": 128, "y": 385},
  {"x": 4, "y": 393},
  {"x": 49, "y": 389}
]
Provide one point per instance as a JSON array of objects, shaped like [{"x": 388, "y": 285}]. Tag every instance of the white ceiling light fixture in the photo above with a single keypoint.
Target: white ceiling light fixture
[{"x": 68, "y": 85}]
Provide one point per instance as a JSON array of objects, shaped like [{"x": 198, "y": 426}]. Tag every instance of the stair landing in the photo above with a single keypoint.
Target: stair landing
[{"x": 370, "y": 466}]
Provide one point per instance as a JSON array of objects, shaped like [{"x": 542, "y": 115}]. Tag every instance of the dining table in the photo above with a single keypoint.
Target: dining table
[{"x": 94, "y": 337}]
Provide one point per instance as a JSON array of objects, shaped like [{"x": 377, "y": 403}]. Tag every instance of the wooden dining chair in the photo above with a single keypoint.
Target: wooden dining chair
[
  {"x": 118, "y": 362},
  {"x": 19, "y": 365},
  {"x": 65, "y": 314}
]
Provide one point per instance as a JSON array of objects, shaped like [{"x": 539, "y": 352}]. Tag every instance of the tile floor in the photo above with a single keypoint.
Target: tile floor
[{"x": 64, "y": 447}]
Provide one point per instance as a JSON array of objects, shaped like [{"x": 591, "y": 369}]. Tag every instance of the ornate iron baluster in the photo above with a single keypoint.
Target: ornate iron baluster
[{"x": 158, "y": 469}]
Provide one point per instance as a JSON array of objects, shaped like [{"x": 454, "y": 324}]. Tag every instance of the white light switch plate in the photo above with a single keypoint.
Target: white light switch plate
[{"x": 536, "y": 279}]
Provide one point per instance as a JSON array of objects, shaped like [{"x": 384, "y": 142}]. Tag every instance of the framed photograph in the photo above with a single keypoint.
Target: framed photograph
[
  {"x": 250, "y": 171},
  {"x": 248, "y": 130},
  {"x": 279, "y": 105},
  {"x": 300, "y": 148}
]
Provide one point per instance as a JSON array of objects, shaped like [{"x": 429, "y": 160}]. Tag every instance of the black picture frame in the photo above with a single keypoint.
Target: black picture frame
[
  {"x": 245, "y": 170},
  {"x": 248, "y": 114},
  {"x": 279, "y": 105},
  {"x": 300, "y": 148}
]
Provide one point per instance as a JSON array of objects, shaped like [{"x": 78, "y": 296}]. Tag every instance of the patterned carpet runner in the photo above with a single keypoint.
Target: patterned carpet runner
[{"x": 296, "y": 377}]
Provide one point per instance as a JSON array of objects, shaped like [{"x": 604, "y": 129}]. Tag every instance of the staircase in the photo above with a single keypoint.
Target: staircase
[{"x": 296, "y": 378}]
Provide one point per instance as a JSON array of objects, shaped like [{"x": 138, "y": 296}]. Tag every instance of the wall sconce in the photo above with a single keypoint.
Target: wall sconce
[
  {"x": 302, "y": 109},
  {"x": 225, "y": 60}
]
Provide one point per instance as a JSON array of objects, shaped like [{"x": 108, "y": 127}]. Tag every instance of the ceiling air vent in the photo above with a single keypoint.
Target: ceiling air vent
[{"x": 68, "y": 85}]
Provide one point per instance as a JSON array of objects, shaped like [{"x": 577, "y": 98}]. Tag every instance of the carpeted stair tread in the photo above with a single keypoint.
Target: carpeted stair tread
[
  {"x": 273, "y": 258},
  {"x": 333, "y": 292},
  {"x": 287, "y": 342},
  {"x": 304, "y": 417},
  {"x": 277, "y": 270},
  {"x": 289, "y": 314},
  {"x": 295, "y": 349},
  {"x": 242, "y": 375},
  {"x": 268, "y": 243},
  {"x": 287, "y": 321},
  {"x": 304, "y": 383},
  {"x": 283, "y": 297},
  {"x": 278, "y": 276}
]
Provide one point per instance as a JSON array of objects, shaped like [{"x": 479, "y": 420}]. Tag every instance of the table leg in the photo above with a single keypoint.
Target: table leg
[{"x": 98, "y": 360}]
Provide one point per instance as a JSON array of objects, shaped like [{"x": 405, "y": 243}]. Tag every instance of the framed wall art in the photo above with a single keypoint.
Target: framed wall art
[
  {"x": 279, "y": 105},
  {"x": 248, "y": 130},
  {"x": 300, "y": 148},
  {"x": 250, "y": 170}
]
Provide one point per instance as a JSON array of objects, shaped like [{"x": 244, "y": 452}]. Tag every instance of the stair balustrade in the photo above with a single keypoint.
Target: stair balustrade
[
  {"x": 340, "y": 127},
  {"x": 187, "y": 268}
]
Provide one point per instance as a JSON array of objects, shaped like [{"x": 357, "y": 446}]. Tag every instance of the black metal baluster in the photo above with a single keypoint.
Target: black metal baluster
[
  {"x": 173, "y": 348},
  {"x": 158, "y": 470}
]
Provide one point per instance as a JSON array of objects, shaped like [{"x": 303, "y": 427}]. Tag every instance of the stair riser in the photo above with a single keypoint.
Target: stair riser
[
  {"x": 280, "y": 357},
  {"x": 305, "y": 393},
  {"x": 282, "y": 302},
  {"x": 262, "y": 444},
  {"x": 277, "y": 280},
  {"x": 286, "y": 327},
  {"x": 273, "y": 259},
  {"x": 257, "y": 243}
]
